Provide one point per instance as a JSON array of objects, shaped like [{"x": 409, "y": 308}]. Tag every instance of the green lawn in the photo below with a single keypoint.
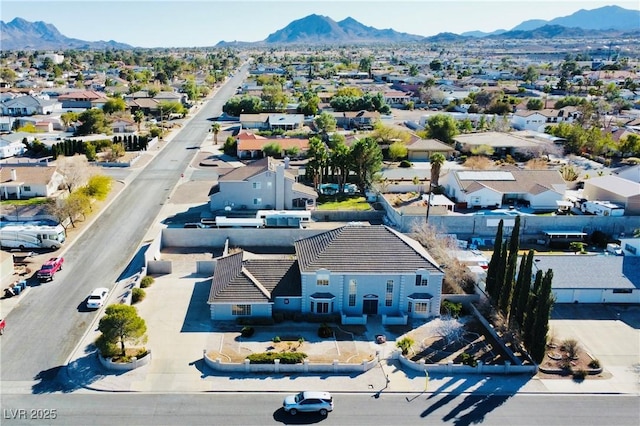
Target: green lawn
[
  {"x": 343, "y": 203},
  {"x": 27, "y": 202}
]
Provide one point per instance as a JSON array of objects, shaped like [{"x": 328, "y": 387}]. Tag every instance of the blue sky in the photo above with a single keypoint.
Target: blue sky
[{"x": 172, "y": 23}]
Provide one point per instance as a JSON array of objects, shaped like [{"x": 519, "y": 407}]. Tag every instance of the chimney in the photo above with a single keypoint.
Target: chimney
[{"x": 14, "y": 175}]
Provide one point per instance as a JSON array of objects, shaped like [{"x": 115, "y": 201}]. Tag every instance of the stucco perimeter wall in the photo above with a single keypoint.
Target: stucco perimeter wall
[
  {"x": 304, "y": 367},
  {"x": 260, "y": 237},
  {"x": 374, "y": 216},
  {"x": 531, "y": 227}
]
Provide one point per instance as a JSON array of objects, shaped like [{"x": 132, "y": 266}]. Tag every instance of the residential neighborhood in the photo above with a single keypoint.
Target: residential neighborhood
[{"x": 304, "y": 211}]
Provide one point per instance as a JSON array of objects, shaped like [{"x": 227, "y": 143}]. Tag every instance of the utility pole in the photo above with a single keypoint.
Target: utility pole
[{"x": 429, "y": 201}]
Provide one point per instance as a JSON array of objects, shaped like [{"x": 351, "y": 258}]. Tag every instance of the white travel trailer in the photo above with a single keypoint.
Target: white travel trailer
[
  {"x": 238, "y": 222},
  {"x": 602, "y": 208},
  {"x": 23, "y": 235},
  {"x": 284, "y": 218}
]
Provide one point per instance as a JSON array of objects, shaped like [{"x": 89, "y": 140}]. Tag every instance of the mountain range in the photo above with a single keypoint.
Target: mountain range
[{"x": 20, "y": 34}]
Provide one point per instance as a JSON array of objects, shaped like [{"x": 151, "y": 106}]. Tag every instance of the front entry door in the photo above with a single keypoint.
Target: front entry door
[{"x": 370, "y": 306}]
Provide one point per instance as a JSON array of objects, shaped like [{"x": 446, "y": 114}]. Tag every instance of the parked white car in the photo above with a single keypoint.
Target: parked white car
[
  {"x": 97, "y": 298},
  {"x": 308, "y": 401}
]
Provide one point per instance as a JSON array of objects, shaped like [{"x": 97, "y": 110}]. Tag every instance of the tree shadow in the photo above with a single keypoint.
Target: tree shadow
[{"x": 477, "y": 402}]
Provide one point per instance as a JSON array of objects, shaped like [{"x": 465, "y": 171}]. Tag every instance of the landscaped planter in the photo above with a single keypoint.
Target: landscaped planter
[{"x": 124, "y": 366}]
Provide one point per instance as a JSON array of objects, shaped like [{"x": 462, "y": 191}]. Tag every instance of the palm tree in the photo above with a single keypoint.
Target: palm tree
[
  {"x": 437, "y": 160},
  {"x": 138, "y": 117},
  {"x": 215, "y": 128}
]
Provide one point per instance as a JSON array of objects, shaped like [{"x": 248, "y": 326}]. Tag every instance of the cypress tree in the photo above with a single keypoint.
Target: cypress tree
[
  {"x": 506, "y": 292},
  {"x": 523, "y": 287},
  {"x": 541, "y": 324},
  {"x": 502, "y": 266},
  {"x": 530, "y": 315},
  {"x": 490, "y": 282}
]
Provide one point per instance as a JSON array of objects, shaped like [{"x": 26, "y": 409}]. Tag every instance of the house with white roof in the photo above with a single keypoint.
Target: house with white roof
[{"x": 539, "y": 189}]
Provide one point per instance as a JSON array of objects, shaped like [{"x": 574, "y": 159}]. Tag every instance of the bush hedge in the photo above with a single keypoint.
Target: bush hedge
[
  {"x": 270, "y": 357},
  {"x": 137, "y": 295},
  {"x": 247, "y": 331},
  {"x": 146, "y": 281}
]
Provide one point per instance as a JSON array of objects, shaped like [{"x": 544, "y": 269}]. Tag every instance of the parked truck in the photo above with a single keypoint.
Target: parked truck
[
  {"x": 602, "y": 208},
  {"x": 49, "y": 268}
]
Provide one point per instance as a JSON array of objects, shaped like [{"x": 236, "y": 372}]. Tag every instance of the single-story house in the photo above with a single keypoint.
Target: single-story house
[
  {"x": 262, "y": 185},
  {"x": 593, "y": 278},
  {"x": 615, "y": 189},
  {"x": 423, "y": 149},
  {"x": 354, "y": 271},
  {"x": 124, "y": 125},
  {"x": 12, "y": 144},
  {"x": 27, "y": 181},
  {"x": 252, "y": 147},
  {"x": 539, "y": 189},
  {"x": 502, "y": 143},
  {"x": 83, "y": 99},
  {"x": 28, "y": 105},
  {"x": 538, "y": 119},
  {"x": 356, "y": 119}
]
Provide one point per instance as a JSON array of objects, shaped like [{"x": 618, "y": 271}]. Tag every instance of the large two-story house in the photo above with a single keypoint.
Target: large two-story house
[
  {"x": 353, "y": 271},
  {"x": 264, "y": 184}
]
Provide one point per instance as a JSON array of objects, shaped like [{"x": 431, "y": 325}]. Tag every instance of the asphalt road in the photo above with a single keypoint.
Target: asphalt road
[
  {"x": 350, "y": 409},
  {"x": 50, "y": 321}
]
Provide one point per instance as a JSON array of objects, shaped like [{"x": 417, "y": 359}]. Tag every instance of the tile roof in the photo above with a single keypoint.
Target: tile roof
[
  {"x": 256, "y": 280},
  {"x": 284, "y": 143},
  {"x": 362, "y": 249},
  {"x": 429, "y": 145},
  {"x": 244, "y": 173}
]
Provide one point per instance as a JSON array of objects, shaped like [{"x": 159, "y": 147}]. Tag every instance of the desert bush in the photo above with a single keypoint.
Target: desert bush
[
  {"x": 405, "y": 164},
  {"x": 146, "y": 281},
  {"x": 571, "y": 347},
  {"x": 270, "y": 357},
  {"x": 405, "y": 344},
  {"x": 468, "y": 359},
  {"x": 137, "y": 295},
  {"x": 580, "y": 374},
  {"x": 451, "y": 308},
  {"x": 276, "y": 339},
  {"x": 247, "y": 331},
  {"x": 595, "y": 363}
]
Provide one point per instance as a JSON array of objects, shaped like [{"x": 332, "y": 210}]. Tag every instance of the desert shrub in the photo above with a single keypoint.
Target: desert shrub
[
  {"x": 468, "y": 359},
  {"x": 146, "y": 281},
  {"x": 405, "y": 344},
  {"x": 325, "y": 331},
  {"x": 580, "y": 374},
  {"x": 451, "y": 308},
  {"x": 595, "y": 363},
  {"x": 276, "y": 339},
  {"x": 247, "y": 331},
  {"x": 572, "y": 347},
  {"x": 405, "y": 164},
  {"x": 270, "y": 357},
  {"x": 137, "y": 295}
]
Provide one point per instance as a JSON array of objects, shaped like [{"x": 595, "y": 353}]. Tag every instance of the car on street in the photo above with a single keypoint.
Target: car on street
[
  {"x": 49, "y": 268},
  {"x": 2, "y": 324},
  {"x": 97, "y": 298},
  {"x": 308, "y": 401}
]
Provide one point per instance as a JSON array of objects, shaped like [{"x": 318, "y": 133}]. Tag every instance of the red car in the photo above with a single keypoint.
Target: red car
[
  {"x": 49, "y": 269},
  {"x": 2, "y": 323}
]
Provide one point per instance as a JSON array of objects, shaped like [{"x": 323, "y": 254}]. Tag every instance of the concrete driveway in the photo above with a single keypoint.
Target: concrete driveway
[{"x": 610, "y": 333}]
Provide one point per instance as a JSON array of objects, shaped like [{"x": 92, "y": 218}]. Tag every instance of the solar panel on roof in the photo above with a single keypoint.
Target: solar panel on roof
[{"x": 486, "y": 175}]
